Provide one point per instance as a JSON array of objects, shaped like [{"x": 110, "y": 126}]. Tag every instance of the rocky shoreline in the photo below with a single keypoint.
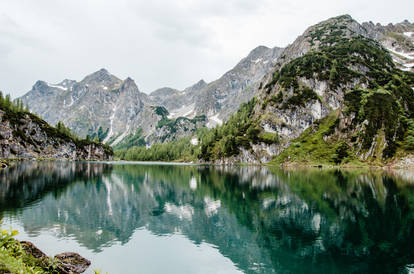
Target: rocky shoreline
[{"x": 67, "y": 262}]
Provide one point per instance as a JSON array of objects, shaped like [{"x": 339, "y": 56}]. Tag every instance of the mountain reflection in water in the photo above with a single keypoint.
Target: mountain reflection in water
[{"x": 264, "y": 220}]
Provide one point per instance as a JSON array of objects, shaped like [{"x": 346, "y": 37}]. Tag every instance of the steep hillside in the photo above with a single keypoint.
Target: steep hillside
[
  {"x": 341, "y": 100},
  {"x": 336, "y": 96},
  {"x": 24, "y": 135}
]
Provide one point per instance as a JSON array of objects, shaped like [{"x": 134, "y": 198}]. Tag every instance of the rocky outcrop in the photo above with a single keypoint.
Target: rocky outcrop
[
  {"x": 67, "y": 262},
  {"x": 24, "y": 135}
]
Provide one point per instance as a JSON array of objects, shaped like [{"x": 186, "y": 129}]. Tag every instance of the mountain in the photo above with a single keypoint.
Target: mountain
[
  {"x": 24, "y": 135},
  {"x": 397, "y": 39},
  {"x": 291, "y": 87},
  {"x": 99, "y": 103},
  {"x": 178, "y": 103},
  {"x": 336, "y": 96},
  {"x": 119, "y": 114},
  {"x": 219, "y": 99}
]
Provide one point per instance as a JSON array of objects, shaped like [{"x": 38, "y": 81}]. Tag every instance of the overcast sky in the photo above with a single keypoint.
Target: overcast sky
[{"x": 158, "y": 43}]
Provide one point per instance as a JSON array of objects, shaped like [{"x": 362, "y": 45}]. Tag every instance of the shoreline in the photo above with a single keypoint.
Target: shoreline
[{"x": 406, "y": 163}]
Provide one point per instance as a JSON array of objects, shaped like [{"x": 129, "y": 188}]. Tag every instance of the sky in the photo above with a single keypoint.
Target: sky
[{"x": 158, "y": 43}]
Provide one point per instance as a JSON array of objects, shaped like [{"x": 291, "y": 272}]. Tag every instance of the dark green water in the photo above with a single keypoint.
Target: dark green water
[{"x": 134, "y": 218}]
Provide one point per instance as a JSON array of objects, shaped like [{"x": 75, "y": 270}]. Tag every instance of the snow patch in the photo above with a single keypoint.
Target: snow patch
[
  {"x": 71, "y": 102},
  {"x": 405, "y": 55},
  {"x": 409, "y": 34},
  {"x": 257, "y": 60},
  {"x": 122, "y": 136},
  {"x": 184, "y": 111},
  {"x": 214, "y": 121},
  {"x": 111, "y": 119},
  {"x": 57, "y": 86}
]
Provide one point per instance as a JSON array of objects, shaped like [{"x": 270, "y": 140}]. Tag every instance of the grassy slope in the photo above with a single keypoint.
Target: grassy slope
[{"x": 311, "y": 148}]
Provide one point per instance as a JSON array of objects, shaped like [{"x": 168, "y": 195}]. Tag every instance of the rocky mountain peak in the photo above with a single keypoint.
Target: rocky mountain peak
[
  {"x": 258, "y": 51},
  {"x": 325, "y": 33},
  {"x": 196, "y": 87},
  {"x": 67, "y": 83},
  {"x": 201, "y": 83},
  {"x": 101, "y": 76},
  {"x": 129, "y": 83},
  {"x": 40, "y": 85}
]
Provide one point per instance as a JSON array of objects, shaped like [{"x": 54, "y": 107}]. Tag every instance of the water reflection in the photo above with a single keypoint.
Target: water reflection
[{"x": 264, "y": 220}]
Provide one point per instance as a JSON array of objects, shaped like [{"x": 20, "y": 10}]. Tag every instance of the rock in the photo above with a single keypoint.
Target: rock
[
  {"x": 26, "y": 136},
  {"x": 72, "y": 263},
  {"x": 31, "y": 249}
]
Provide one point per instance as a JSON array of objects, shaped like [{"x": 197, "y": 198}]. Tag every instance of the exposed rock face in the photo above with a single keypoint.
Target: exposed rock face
[
  {"x": 398, "y": 39},
  {"x": 219, "y": 99},
  {"x": 23, "y": 135},
  {"x": 178, "y": 103},
  {"x": 103, "y": 103},
  {"x": 99, "y": 100},
  {"x": 71, "y": 262},
  {"x": 114, "y": 110}
]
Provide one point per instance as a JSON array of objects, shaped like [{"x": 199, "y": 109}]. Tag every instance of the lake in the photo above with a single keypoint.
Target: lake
[{"x": 156, "y": 218}]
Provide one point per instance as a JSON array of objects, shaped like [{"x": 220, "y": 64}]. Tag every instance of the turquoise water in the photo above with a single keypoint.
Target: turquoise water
[{"x": 152, "y": 218}]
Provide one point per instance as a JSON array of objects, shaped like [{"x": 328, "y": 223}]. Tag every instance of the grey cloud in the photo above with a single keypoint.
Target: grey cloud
[{"x": 157, "y": 43}]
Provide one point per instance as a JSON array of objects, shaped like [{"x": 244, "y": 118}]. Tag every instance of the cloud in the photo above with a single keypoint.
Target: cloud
[{"x": 157, "y": 43}]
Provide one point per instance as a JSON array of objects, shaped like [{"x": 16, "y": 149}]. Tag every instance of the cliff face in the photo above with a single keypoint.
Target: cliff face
[{"x": 24, "y": 135}]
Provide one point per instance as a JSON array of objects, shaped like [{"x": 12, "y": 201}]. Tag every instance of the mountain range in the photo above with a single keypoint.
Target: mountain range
[
  {"x": 114, "y": 110},
  {"x": 293, "y": 89}
]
